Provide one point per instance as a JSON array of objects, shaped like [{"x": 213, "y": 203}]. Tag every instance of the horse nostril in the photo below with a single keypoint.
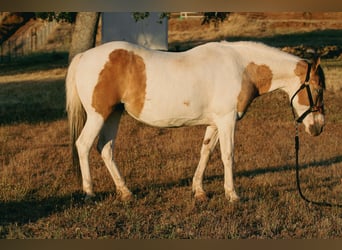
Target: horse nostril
[{"x": 315, "y": 130}]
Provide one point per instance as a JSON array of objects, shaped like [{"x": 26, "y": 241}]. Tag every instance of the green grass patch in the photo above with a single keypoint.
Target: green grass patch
[
  {"x": 35, "y": 62},
  {"x": 317, "y": 39}
]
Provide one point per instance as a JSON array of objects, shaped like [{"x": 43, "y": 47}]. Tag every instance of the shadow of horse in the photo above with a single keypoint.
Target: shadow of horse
[
  {"x": 184, "y": 182},
  {"x": 30, "y": 209}
]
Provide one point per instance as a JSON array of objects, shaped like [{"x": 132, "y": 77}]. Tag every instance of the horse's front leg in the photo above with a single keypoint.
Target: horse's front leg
[{"x": 226, "y": 129}]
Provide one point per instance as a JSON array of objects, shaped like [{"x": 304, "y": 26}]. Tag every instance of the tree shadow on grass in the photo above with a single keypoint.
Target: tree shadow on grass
[
  {"x": 277, "y": 169},
  {"x": 32, "y": 101},
  {"x": 30, "y": 209},
  {"x": 34, "y": 63},
  {"x": 184, "y": 182},
  {"x": 316, "y": 39}
]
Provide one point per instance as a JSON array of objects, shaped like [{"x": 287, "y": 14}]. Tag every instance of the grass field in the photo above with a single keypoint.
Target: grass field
[{"x": 40, "y": 196}]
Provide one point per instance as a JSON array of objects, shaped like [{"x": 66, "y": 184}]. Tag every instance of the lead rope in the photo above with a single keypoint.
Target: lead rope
[
  {"x": 323, "y": 203},
  {"x": 297, "y": 121}
]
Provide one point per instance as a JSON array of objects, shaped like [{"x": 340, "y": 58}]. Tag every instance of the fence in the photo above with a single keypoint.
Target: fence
[
  {"x": 30, "y": 40},
  {"x": 191, "y": 15}
]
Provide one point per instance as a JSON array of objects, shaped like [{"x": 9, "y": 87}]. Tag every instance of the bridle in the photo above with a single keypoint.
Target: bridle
[{"x": 313, "y": 108}]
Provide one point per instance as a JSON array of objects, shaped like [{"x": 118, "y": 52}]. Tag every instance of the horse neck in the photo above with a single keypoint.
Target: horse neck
[
  {"x": 286, "y": 76},
  {"x": 272, "y": 69},
  {"x": 266, "y": 69}
]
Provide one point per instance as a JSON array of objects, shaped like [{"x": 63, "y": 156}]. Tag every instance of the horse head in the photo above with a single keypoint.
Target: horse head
[{"x": 308, "y": 99}]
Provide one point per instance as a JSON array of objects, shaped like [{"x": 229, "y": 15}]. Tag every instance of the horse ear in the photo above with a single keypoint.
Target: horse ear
[{"x": 316, "y": 62}]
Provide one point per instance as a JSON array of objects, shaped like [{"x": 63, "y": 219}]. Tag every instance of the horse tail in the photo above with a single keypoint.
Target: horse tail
[{"x": 76, "y": 112}]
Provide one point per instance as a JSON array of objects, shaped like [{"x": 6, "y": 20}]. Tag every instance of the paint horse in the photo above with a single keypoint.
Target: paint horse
[{"x": 212, "y": 84}]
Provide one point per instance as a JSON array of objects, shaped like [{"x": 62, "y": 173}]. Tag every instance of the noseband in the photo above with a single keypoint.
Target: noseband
[{"x": 313, "y": 107}]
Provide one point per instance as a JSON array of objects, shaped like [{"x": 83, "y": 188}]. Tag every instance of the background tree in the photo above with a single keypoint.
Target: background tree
[
  {"x": 58, "y": 16},
  {"x": 86, "y": 24},
  {"x": 84, "y": 34},
  {"x": 215, "y": 17}
]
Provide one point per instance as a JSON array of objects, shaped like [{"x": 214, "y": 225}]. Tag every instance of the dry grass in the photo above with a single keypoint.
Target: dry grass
[
  {"x": 40, "y": 197},
  {"x": 333, "y": 69},
  {"x": 275, "y": 29}
]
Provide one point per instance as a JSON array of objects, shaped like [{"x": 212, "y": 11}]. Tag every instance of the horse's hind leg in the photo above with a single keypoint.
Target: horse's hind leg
[
  {"x": 209, "y": 143},
  {"x": 106, "y": 147},
  {"x": 84, "y": 142}
]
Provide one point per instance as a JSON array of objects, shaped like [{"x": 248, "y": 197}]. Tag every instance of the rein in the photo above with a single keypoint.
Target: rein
[
  {"x": 319, "y": 203},
  {"x": 312, "y": 108}
]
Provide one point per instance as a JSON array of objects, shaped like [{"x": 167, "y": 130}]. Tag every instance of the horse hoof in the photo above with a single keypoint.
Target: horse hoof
[
  {"x": 125, "y": 197},
  {"x": 232, "y": 197},
  {"x": 89, "y": 198},
  {"x": 201, "y": 197}
]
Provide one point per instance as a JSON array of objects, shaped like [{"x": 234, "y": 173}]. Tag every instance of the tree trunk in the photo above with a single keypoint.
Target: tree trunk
[{"x": 84, "y": 33}]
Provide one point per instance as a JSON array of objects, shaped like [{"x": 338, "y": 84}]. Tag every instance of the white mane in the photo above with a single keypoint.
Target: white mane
[{"x": 260, "y": 48}]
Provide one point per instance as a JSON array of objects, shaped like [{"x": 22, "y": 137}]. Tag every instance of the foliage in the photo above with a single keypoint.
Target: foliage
[
  {"x": 208, "y": 17},
  {"x": 58, "y": 16},
  {"x": 214, "y": 17},
  {"x": 70, "y": 17},
  {"x": 142, "y": 15}
]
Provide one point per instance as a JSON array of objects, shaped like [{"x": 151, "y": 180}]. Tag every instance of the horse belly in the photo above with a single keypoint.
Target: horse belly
[{"x": 171, "y": 111}]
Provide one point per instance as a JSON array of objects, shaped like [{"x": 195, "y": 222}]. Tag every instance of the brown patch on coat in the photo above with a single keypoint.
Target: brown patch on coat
[
  {"x": 122, "y": 79},
  {"x": 301, "y": 70},
  {"x": 317, "y": 81},
  {"x": 256, "y": 80}
]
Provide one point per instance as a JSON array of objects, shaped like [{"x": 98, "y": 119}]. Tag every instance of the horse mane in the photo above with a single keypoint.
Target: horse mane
[
  {"x": 321, "y": 75},
  {"x": 270, "y": 49},
  {"x": 261, "y": 46}
]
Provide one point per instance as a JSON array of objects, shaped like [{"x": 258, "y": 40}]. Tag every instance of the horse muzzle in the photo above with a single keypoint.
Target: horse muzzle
[{"x": 315, "y": 128}]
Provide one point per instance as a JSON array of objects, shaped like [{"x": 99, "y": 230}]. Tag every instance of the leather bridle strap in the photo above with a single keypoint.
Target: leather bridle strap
[{"x": 312, "y": 107}]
